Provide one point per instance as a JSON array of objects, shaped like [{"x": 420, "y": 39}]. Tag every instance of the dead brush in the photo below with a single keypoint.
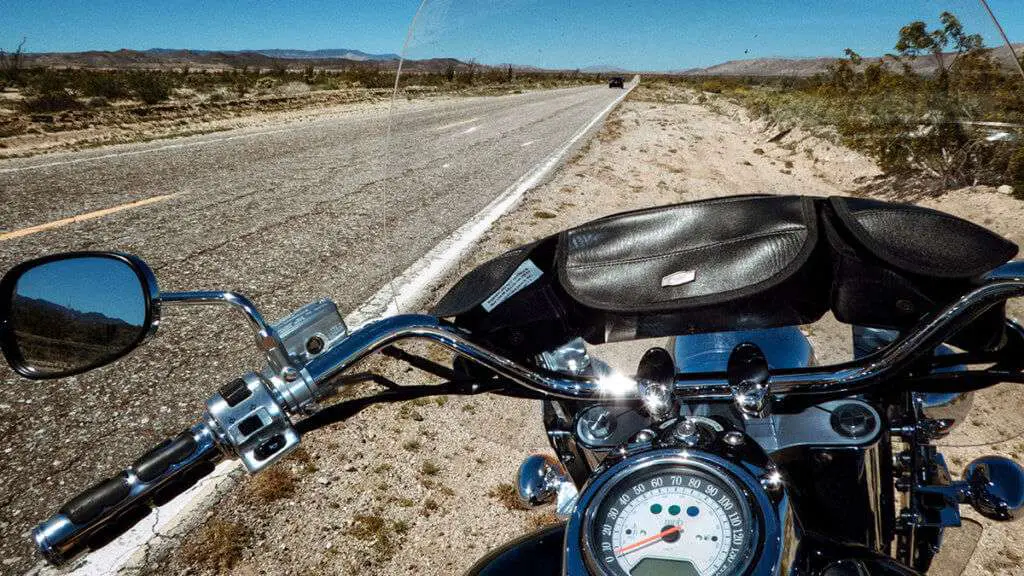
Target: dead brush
[
  {"x": 507, "y": 495},
  {"x": 274, "y": 483},
  {"x": 217, "y": 546},
  {"x": 611, "y": 131},
  {"x": 379, "y": 533}
]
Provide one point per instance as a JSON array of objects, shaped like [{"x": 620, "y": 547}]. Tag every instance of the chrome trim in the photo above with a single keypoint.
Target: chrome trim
[
  {"x": 541, "y": 479},
  {"x": 570, "y": 358},
  {"x": 945, "y": 409},
  {"x": 773, "y": 515},
  {"x": 376, "y": 335},
  {"x": 266, "y": 336},
  {"x": 260, "y": 406},
  {"x": 995, "y": 487}
]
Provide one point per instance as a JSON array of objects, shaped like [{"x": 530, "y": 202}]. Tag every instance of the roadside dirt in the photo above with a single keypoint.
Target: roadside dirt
[{"x": 422, "y": 488}]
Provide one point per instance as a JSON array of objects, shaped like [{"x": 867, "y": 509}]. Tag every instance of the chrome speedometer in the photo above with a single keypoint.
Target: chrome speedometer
[{"x": 678, "y": 519}]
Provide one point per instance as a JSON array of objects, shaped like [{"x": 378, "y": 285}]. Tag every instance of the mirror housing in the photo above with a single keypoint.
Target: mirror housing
[
  {"x": 542, "y": 479},
  {"x": 66, "y": 314},
  {"x": 995, "y": 487}
]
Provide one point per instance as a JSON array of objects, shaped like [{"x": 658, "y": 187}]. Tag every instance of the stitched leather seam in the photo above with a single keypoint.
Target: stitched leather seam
[{"x": 705, "y": 247}]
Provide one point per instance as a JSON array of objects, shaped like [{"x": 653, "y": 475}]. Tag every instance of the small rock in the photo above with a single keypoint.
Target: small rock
[
  {"x": 323, "y": 481},
  {"x": 11, "y": 561},
  {"x": 1005, "y": 189}
]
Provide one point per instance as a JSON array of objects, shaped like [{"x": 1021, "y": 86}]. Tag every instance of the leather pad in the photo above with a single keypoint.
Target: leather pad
[{"x": 687, "y": 255}]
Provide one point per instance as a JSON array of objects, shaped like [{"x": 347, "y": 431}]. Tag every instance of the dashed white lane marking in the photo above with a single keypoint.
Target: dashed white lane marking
[
  {"x": 147, "y": 150},
  {"x": 457, "y": 124},
  {"x": 470, "y": 130},
  {"x": 525, "y": 144},
  {"x": 83, "y": 217}
]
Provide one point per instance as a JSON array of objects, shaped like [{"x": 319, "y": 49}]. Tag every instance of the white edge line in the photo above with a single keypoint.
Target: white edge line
[{"x": 167, "y": 523}]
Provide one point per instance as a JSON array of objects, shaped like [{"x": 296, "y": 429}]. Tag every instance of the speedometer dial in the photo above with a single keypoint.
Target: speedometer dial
[{"x": 671, "y": 520}]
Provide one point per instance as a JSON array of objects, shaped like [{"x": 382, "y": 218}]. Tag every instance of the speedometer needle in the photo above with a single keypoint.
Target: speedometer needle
[{"x": 649, "y": 539}]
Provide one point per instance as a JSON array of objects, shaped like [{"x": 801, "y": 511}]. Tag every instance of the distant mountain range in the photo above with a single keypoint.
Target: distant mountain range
[
  {"x": 601, "y": 69},
  {"x": 341, "y": 58},
  {"x": 327, "y": 54},
  {"x": 812, "y": 66},
  {"x": 220, "y": 59}
]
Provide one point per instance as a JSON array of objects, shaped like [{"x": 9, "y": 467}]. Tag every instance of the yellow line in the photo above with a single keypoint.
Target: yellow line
[{"x": 82, "y": 217}]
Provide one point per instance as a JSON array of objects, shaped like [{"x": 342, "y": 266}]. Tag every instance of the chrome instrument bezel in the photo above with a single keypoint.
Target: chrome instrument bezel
[
  {"x": 681, "y": 459},
  {"x": 772, "y": 514}
]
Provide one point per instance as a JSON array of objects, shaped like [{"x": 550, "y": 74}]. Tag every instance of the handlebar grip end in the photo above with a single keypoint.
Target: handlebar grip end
[{"x": 48, "y": 532}]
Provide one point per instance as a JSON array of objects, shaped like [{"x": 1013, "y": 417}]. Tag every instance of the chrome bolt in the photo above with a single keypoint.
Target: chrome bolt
[
  {"x": 687, "y": 432},
  {"x": 733, "y": 438},
  {"x": 643, "y": 437},
  {"x": 602, "y": 426}
]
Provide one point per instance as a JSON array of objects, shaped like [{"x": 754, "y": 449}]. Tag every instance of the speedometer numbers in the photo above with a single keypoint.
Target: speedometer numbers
[{"x": 672, "y": 521}]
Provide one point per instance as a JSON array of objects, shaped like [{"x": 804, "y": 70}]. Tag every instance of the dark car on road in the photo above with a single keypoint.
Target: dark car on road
[{"x": 617, "y": 82}]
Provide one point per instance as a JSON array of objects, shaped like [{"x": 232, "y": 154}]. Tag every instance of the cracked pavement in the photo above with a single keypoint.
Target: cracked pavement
[{"x": 285, "y": 216}]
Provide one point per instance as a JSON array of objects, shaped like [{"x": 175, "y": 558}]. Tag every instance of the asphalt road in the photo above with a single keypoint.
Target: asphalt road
[{"x": 284, "y": 214}]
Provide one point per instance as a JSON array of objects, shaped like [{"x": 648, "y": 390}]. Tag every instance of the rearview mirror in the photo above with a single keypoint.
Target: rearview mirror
[{"x": 65, "y": 314}]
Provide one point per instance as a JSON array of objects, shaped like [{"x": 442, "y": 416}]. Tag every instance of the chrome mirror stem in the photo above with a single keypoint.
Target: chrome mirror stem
[{"x": 267, "y": 338}]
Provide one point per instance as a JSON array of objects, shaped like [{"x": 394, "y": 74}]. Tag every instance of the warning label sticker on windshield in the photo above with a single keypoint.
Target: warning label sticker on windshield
[{"x": 526, "y": 274}]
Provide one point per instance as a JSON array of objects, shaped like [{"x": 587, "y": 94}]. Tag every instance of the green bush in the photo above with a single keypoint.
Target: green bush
[
  {"x": 103, "y": 85},
  {"x": 150, "y": 87},
  {"x": 1015, "y": 169},
  {"x": 48, "y": 93}
]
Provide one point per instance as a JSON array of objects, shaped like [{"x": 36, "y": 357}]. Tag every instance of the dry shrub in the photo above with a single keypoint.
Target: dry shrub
[
  {"x": 544, "y": 520},
  {"x": 217, "y": 546},
  {"x": 379, "y": 533},
  {"x": 272, "y": 484},
  {"x": 508, "y": 496}
]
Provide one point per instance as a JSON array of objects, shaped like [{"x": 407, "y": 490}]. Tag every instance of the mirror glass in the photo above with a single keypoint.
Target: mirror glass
[{"x": 74, "y": 314}]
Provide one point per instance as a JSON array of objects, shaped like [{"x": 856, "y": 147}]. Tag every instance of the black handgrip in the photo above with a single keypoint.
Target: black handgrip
[
  {"x": 110, "y": 508},
  {"x": 154, "y": 463},
  {"x": 88, "y": 505}
]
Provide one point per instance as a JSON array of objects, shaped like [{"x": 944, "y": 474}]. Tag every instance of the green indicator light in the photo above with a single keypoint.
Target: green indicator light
[
  {"x": 673, "y": 510},
  {"x": 655, "y": 508}
]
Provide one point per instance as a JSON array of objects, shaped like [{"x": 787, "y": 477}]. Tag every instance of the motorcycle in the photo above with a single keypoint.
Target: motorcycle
[
  {"x": 725, "y": 449},
  {"x": 733, "y": 453}
]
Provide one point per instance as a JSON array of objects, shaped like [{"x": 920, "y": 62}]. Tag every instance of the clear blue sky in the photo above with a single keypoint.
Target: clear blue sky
[
  {"x": 637, "y": 34},
  {"x": 101, "y": 285}
]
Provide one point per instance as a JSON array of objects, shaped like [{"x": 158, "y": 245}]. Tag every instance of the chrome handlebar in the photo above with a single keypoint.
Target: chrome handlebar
[{"x": 1005, "y": 282}]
